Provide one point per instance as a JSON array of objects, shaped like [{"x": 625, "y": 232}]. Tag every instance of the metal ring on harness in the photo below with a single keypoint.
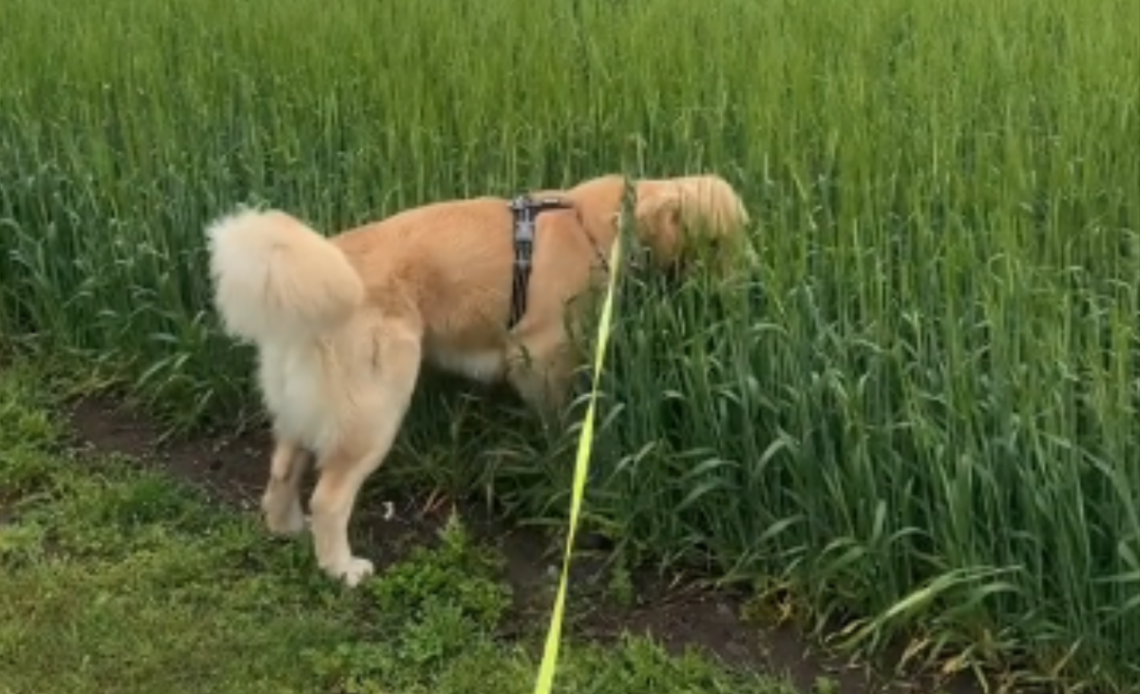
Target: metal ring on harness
[{"x": 525, "y": 211}]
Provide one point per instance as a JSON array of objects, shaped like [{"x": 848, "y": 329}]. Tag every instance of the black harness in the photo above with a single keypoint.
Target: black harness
[{"x": 525, "y": 211}]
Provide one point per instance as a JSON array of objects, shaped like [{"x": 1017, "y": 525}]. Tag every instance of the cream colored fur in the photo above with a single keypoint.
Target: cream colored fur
[{"x": 343, "y": 325}]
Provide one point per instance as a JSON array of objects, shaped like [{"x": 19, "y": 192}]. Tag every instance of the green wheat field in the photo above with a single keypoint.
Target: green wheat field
[{"x": 917, "y": 421}]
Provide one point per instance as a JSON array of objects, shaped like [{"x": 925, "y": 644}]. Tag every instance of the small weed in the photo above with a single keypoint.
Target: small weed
[
  {"x": 457, "y": 575},
  {"x": 825, "y": 685},
  {"x": 620, "y": 586}
]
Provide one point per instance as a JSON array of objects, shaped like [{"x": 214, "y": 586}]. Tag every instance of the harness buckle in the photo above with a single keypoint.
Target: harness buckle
[{"x": 525, "y": 211}]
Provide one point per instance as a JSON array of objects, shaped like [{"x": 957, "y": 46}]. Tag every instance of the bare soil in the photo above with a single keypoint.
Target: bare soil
[{"x": 675, "y": 613}]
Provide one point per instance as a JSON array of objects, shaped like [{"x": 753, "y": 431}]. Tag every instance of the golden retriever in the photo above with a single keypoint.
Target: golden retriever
[{"x": 343, "y": 324}]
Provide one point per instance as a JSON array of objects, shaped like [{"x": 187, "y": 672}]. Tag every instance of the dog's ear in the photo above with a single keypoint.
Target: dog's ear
[
  {"x": 660, "y": 208},
  {"x": 659, "y": 224}
]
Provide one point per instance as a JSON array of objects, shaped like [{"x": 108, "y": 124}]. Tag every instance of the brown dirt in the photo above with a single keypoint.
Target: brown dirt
[{"x": 676, "y": 614}]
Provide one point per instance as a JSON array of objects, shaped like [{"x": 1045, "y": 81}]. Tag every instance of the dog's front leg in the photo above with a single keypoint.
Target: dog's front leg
[{"x": 541, "y": 373}]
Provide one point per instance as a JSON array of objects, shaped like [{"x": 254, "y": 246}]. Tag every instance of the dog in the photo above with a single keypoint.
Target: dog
[{"x": 343, "y": 324}]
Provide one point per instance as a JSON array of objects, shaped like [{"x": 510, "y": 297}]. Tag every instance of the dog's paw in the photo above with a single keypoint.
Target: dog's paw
[
  {"x": 284, "y": 518},
  {"x": 288, "y": 525},
  {"x": 352, "y": 572}
]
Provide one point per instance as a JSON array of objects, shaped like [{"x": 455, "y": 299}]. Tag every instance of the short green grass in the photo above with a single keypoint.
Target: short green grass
[{"x": 115, "y": 580}]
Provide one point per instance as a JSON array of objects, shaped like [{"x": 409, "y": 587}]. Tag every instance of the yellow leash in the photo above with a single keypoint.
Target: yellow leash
[{"x": 545, "y": 682}]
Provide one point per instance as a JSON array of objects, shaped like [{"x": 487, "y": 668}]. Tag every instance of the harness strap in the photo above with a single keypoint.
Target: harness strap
[{"x": 525, "y": 211}]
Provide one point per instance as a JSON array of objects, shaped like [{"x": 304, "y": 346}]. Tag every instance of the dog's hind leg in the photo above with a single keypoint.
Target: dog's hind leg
[
  {"x": 281, "y": 502},
  {"x": 345, "y": 467}
]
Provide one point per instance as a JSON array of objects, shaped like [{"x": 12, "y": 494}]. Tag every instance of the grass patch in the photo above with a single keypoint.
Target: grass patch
[{"x": 115, "y": 580}]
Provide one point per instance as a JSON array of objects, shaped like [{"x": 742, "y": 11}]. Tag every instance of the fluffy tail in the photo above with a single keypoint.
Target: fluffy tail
[{"x": 277, "y": 279}]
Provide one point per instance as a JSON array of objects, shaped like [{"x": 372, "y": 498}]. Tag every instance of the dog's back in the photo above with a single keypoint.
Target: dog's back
[{"x": 449, "y": 266}]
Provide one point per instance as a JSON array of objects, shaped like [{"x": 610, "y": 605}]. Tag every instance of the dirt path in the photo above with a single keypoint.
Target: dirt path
[{"x": 678, "y": 616}]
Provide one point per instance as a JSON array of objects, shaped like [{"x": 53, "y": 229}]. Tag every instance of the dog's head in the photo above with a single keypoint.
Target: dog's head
[{"x": 689, "y": 219}]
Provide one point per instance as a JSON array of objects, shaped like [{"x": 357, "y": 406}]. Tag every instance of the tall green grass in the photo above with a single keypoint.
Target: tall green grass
[{"x": 920, "y": 417}]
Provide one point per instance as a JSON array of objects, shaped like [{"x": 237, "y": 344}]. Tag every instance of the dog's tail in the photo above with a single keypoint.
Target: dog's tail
[{"x": 276, "y": 279}]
